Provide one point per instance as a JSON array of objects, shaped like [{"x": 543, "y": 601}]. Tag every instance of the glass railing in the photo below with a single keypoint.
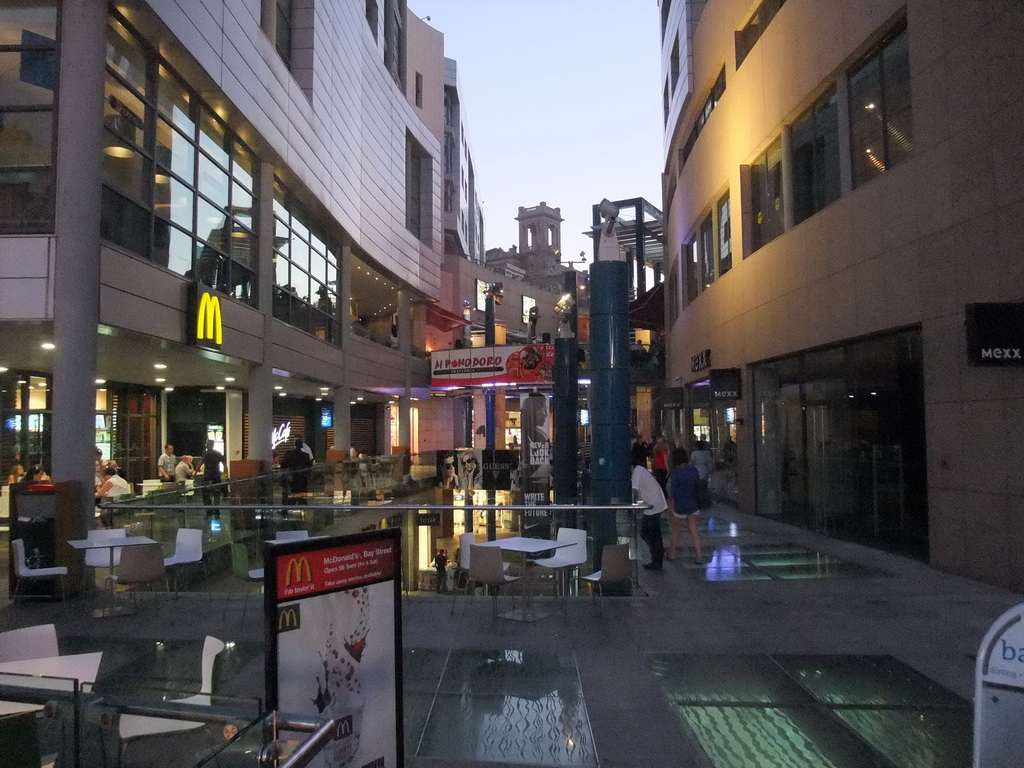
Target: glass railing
[{"x": 40, "y": 720}]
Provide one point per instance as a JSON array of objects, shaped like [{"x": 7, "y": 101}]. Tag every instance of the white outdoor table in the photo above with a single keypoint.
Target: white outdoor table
[
  {"x": 530, "y": 548},
  {"x": 128, "y": 541}
]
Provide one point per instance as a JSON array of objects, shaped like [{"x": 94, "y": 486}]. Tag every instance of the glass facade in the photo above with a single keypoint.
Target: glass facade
[
  {"x": 766, "y": 196},
  {"x": 28, "y": 84},
  {"x": 305, "y": 270},
  {"x": 839, "y": 441},
  {"x": 178, "y": 186}
]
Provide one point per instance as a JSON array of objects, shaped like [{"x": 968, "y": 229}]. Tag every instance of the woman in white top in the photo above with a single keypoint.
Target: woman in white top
[
  {"x": 113, "y": 485},
  {"x": 701, "y": 459}
]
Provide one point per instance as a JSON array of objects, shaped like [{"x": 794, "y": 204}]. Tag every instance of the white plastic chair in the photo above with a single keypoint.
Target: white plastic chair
[
  {"x": 567, "y": 558},
  {"x": 254, "y": 575},
  {"x": 37, "y": 642},
  {"x": 131, "y": 728},
  {"x": 188, "y": 548},
  {"x": 23, "y": 573},
  {"x": 486, "y": 569}
]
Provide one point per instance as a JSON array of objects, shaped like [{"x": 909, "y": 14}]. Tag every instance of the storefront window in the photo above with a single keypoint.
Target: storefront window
[
  {"x": 28, "y": 82},
  {"x": 839, "y": 441}
]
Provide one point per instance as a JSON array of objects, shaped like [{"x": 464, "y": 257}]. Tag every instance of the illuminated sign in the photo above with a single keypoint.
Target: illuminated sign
[
  {"x": 528, "y": 304},
  {"x": 206, "y": 324},
  {"x": 280, "y": 434},
  {"x": 327, "y": 417},
  {"x": 481, "y": 294},
  {"x": 502, "y": 366},
  {"x": 298, "y": 567}
]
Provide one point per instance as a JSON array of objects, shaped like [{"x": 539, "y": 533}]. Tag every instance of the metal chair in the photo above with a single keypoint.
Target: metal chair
[
  {"x": 614, "y": 570},
  {"x": 24, "y": 574},
  {"x": 188, "y": 548},
  {"x": 486, "y": 569}
]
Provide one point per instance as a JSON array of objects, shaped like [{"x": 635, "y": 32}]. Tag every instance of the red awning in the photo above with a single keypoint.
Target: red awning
[
  {"x": 648, "y": 310},
  {"x": 444, "y": 320}
]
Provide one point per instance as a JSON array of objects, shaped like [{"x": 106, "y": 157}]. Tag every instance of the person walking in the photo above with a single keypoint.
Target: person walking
[
  {"x": 660, "y": 459},
  {"x": 296, "y": 462},
  {"x": 166, "y": 464},
  {"x": 649, "y": 490},
  {"x": 682, "y": 502},
  {"x": 211, "y": 469},
  {"x": 441, "y": 565}
]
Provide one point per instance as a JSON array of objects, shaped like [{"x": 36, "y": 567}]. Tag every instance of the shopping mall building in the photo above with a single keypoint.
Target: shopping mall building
[
  {"x": 843, "y": 200},
  {"x": 244, "y": 199}
]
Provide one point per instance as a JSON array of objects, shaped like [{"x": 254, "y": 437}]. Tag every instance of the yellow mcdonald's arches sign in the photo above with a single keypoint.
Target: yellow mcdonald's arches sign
[
  {"x": 297, "y": 571},
  {"x": 209, "y": 325},
  {"x": 288, "y": 617}
]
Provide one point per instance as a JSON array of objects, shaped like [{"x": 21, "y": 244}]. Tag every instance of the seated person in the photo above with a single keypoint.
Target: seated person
[
  {"x": 184, "y": 470},
  {"x": 37, "y": 475},
  {"x": 113, "y": 485}
]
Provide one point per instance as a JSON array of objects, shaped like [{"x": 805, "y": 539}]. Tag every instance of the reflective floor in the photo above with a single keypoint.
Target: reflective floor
[
  {"x": 504, "y": 706},
  {"x": 814, "y": 711}
]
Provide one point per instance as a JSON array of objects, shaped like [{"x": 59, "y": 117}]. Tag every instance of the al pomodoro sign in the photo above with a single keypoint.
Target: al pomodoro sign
[{"x": 511, "y": 364}]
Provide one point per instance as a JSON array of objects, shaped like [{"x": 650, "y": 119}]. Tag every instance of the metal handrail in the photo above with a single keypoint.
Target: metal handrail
[{"x": 638, "y": 507}]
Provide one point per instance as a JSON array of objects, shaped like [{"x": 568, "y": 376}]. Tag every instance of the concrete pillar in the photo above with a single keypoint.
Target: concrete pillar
[
  {"x": 342, "y": 418},
  {"x": 234, "y": 420},
  {"x": 261, "y": 378},
  {"x": 76, "y": 299}
]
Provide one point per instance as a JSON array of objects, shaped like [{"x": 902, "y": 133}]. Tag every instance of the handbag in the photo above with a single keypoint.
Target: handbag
[{"x": 703, "y": 494}]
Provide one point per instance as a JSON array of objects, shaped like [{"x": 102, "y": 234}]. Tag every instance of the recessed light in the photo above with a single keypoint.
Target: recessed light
[
  {"x": 48, "y": 345},
  {"x": 281, "y": 394},
  {"x": 220, "y": 389},
  {"x": 160, "y": 379},
  {"x": 351, "y": 402},
  {"x": 3, "y": 369},
  {"x": 229, "y": 378},
  {"x": 278, "y": 387},
  {"x": 101, "y": 381},
  {"x": 159, "y": 366},
  {"x": 359, "y": 398},
  {"x": 318, "y": 399},
  {"x": 168, "y": 389},
  {"x": 22, "y": 381}
]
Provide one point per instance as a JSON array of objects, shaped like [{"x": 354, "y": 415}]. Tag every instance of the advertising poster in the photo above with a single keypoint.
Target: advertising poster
[
  {"x": 535, "y": 465},
  {"x": 333, "y": 642},
  {"x": 510, "y": 364},
  {"x": 500, "y": 470}
]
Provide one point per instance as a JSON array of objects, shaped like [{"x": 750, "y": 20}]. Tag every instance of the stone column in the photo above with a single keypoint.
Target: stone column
[
  {"x": 76, "y": 280},
  {"x": 342, "y": 418},
  {"x": 261, "y": 378}
]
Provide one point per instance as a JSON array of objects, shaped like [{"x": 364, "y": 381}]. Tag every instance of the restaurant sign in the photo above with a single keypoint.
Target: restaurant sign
[
  {"x": 510, "y": 364},
  {"x": 205, "y": 323}
]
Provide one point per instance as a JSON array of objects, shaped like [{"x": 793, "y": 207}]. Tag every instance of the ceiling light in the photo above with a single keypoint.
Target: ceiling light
[
  {"x": 3, "y": 369},
  {"x": 318, "y": 399},
  {"x": 161, "y": 178},
  {"x": 351, "y": 402},
  {"x": 160, "y": 379},
  {"x": 159, "y": 366},
  {"x": 48, "y": 345},
  {"x": 118, "y": 152},
  {"x": 168, "y": 389},
  {"x": 278, "y": 387},
  {"x": 359, "y": 398},
  {"x": 22, "y": 381},
  {"x": 281, "y": 394},
  {"x": 229, "y": 378},
  {"x": 220, "y": 389}
]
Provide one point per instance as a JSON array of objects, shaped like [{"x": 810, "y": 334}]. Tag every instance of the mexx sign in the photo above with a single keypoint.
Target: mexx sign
[{"x": 995, "y": 334}]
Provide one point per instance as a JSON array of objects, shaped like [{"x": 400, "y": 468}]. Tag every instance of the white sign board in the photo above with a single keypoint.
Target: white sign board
[{"x": 999, "y": 693}]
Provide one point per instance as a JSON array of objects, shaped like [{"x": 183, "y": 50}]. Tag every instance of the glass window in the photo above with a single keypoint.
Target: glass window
[
  {"x": 724, "y": 236},
  {"x": 210, "y": 223},
  {"x": 26, "y": 149},
  {"x": 174, "y": 102},
  {"x": 689, "y": 256},
  {"x": 242, "y": 165},
  {"x": 27, "y": 78},
  {"x": 124, "y": 222},
  {"x": 126, "y": 57},
  {"x": 213, "y": 181},
  {"x": 174, "y": 201},
  {"x": 175, "y": 152},
  {"x": 283, "y": 42},
  {"x": 213, "y": 137},
  {"x": 766, "y": 196},
  {"x": 707, "y": 254},
  {"x": 127, "y": 171},
  {"x": 881, "y": 129},
  {"x": 38, "y": 18},
  {"x": 124, "y": 118},
  {"x": 172, "y": 248},
  {"x": 816, "y": 157},
  {"x": 752, "y": 31}
]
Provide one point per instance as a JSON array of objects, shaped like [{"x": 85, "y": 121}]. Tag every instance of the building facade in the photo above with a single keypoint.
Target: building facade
[
  {"x": 282, "y": 160},
  {"x": 841, "y": 187}
]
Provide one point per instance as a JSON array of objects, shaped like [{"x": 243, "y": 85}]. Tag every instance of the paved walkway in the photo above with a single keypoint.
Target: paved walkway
[{"x": 930, "y": 621}]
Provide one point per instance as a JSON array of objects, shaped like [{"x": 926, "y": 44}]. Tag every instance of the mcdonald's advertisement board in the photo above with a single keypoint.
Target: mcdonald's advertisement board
[
  {"x": 333, "y": 625},
  {"x": 205, "y": 326}
]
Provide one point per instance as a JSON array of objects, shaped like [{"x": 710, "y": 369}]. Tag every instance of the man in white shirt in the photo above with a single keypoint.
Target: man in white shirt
[{"x": 646, "y": 486}]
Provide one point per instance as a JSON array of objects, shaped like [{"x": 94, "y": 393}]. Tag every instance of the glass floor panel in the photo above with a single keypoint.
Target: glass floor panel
[
  {"x": 762, "y": 561},
  {"x": 915, "y": 738},
  {"x": 821, "y": 712},
  {"x": 504, "y": 706},
  {"x": 869, "y": 681},
  {"x": 832, "y": 570}
]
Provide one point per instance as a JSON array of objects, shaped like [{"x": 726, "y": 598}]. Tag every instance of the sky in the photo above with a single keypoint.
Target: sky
[{"x": 562, "y": 102}]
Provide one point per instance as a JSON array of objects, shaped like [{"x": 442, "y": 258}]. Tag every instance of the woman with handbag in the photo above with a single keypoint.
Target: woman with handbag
[{"x": 682, "y": 502}]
